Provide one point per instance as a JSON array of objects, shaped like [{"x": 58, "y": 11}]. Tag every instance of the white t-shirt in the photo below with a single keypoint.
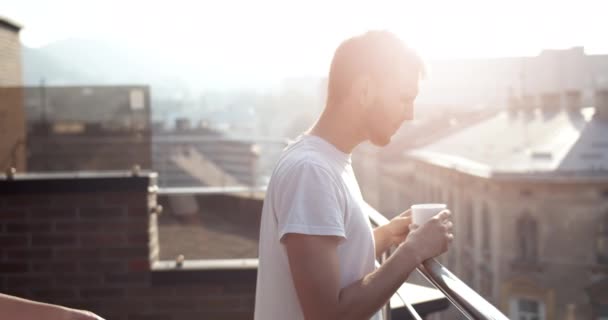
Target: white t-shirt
[{"x": 313, "y": 190}]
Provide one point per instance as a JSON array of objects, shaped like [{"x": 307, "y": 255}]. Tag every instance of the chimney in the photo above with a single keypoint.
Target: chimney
[
  {"x": 182, "y": 124},
  {"x": 574, "y": 100},
  {"x": 528, "y": 102},
  {"x": 551, "y": 102},
  {"x": 601, "y": 104}
]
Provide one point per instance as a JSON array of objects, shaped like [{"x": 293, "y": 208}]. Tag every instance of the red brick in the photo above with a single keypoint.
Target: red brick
[
  {"x": 78, "y": 226},
  {"x": 75, "y": 200},
  {"x": 29, "y": 254},
  {"x": 54, "y": 267},
  {"x": 13, "y": 267},
  {"x": 153, "y": 316},
  {"x": 176, "y": 304},
  {"x": 126, "y": 279},
  {"x": 103, "y": 266},
  {"x": 78, "y": 280},
  {"x": 126, "y": 305},
  {"x": 102, "y": 239},
  {"x": 30, "y": 200},
  {"x": 124, "y": 252},
  {"x": 240, "y": 288},
  {"x": 102, "y": 213},
  {"x": 149, "y": 292},
  {"x": 13, "y": 241},
  {"x": 127, "y": 225},
  {"x": 138, "y": 212},
  {"x": 28, "y": 281},
  {"x": 18, "y": 292},
  {"x": 138, "y": 265},
  {"x": 141, "y": 238},
  {"x": 45, "y": 294},
  {"x": 218, "y": 303},
  {"x": 52, "y": 240},
  {"x": 12, "y": 214},
  {"x": 217, "y": 315},
  {"x": 53, "y": 213},
  {"x": 96, "y": 293},
  {"x": 130, "y": 199},
  {"x": 199, "y": 290},
  {"x": 23, "y": 227},
  {"x": 76, "y": 253}
]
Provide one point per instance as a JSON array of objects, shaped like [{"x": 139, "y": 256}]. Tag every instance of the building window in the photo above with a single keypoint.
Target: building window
[
  {"x": 468, "y": 274},
  {"x": 601, "y": 312},
  {"x": 527, "y": 309},
  {"x": 486, "y": 286},
  {"x": 527, "y": 237},
  {"x": 601, "y": 244},
  {"x": 486, "y": 228},
  {"x": 470, "y": 224}
]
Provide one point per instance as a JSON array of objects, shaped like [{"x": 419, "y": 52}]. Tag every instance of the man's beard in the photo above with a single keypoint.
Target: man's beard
[{"x": 378, "y": 139}]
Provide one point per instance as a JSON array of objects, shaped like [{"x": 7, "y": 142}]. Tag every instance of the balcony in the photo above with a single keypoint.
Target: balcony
[{"x": 96, "y": 241}]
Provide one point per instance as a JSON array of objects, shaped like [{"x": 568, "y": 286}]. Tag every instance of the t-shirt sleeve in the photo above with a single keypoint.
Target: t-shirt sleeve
[{"x": 310, "y": 202}]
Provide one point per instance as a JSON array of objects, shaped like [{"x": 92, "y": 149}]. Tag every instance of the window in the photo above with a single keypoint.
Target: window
[
  {"x": 601, "y": 312},
  {"x": 601, "y": 241},
  {"x": 527, "y": 309},
  {"x": 527, "y": 237},
  {"x": 470, "y": 224},
  {"x": 486, "y": 228},
  {"x": 486, "y": 286}
]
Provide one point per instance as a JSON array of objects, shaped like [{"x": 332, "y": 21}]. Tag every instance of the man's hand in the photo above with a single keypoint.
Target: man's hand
[
  {"x": 432, "y": 238},
  {"x": 398, "y": 227},
  {"x": 392, "y": 233}
]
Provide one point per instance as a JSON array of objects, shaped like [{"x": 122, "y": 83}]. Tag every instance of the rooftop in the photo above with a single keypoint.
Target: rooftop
[
  {"x": 7, "y": 23},
  {"x": 209, "y": 223},
  {"x": 532, "y": 144},
  {"x": 192, "y": 235}
]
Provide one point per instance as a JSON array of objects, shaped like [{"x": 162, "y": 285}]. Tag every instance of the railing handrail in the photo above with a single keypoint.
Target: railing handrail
[
  {"x": 469, "y": 302},
  {"x": 206, "y": 190}
]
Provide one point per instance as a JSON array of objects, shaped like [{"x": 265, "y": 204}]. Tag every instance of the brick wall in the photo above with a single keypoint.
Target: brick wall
[{"x": 91, "y": 242}]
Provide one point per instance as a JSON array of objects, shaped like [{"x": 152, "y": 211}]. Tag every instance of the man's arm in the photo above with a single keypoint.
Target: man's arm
[
  {"x": 382, "y": 241},
  {"x": 23, "y": 309},
  {"x": 392, "y": 233},
  {"x": 315, "y": 270}
]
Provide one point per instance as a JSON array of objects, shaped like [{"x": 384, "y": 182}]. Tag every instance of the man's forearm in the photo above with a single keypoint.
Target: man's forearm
[
  {"x": 18, "y": 308},
  {"x": 365, "y": 297}
]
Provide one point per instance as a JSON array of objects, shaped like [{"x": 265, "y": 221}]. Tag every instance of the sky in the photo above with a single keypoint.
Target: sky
[{"x": 299, "y": 37}]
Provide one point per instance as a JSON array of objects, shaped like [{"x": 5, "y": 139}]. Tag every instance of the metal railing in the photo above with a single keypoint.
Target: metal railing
[{"x": 465, "y": 299}]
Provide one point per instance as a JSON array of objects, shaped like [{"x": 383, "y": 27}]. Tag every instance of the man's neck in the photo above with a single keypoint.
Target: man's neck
[{"x": 337, "y": 128}]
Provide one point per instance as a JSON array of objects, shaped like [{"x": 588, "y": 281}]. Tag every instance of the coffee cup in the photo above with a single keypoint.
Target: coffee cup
[{"x": 421, "y": 213}]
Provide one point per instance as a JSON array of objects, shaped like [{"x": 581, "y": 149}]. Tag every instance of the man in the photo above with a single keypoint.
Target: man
[
  {"x": 23, "y": 309},
  {"x": 317, "y": 247}
]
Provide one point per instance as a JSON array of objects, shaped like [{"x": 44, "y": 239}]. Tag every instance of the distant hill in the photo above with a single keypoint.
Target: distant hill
[{"x": 95, "y": 61}]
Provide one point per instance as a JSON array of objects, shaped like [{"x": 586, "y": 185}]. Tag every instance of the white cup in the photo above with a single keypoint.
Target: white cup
[{"x": 421, "y": 213}]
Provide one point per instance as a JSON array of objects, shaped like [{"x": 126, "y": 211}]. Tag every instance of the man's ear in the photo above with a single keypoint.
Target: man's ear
[{"x": 365, "y": 91}]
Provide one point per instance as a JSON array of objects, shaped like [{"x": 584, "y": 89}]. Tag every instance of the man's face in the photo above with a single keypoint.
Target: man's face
[{"x": 394, "y": 103}]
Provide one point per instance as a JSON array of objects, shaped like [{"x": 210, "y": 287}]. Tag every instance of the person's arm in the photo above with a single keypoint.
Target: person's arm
[
  {"x": 23, "y": 309},
  {"x": 393, "y": 233},
  {"x": 314, "y": 266}
]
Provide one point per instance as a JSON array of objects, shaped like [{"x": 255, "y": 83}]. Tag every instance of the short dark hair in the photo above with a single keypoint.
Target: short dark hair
[{"x": 377, "y": 54}]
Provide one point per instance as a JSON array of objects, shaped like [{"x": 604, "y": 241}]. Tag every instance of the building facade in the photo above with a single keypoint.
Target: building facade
[
  {"x": 75, "y": 128},
  {"x": 529, "y": 193},
  {"x": 12, "y": 117}
]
